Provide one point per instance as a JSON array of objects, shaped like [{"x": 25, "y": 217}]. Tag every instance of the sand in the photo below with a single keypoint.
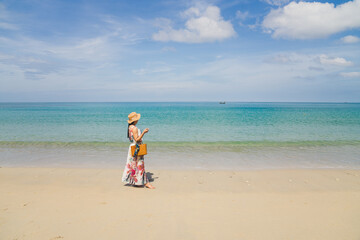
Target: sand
[{"x": 58, "y": 203}]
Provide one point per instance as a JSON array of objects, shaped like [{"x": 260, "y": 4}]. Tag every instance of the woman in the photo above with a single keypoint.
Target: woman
[{"x": 134, "y": 172}]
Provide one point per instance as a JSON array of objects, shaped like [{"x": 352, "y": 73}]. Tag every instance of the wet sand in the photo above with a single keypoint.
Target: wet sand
[{"x": 60, "y": 203}]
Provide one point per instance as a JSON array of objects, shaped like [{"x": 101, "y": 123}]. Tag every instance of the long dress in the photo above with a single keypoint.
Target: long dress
[{"x": 134, "y": 172}]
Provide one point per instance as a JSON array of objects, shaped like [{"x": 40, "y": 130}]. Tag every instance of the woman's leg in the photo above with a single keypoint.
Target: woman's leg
[{"x": 141, "y": 168}]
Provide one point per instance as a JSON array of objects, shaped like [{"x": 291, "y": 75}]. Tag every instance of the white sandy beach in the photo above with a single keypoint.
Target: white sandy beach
[{"x": 58, "y": 203}]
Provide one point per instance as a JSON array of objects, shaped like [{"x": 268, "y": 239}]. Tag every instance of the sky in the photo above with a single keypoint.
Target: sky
[{"x": 170, "y": 50}]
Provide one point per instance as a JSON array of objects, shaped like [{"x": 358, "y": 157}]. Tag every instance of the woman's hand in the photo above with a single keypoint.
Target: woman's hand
[{"x": 146, "y": 130}]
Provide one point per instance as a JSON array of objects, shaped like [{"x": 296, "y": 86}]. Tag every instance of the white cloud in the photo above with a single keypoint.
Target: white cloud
[
  {"x": 242, "y": 15},
  {"x": 313, "y": 62},
  {"x": 350, "y": 39},
  {"x": 276, "y": 2},
  {"x": 350, "y": 74},
  {"x": 41, "y": 59},
  {"x": 339, "y": 61},
  {"x": 201, "y": 26},
  {"x": 310, "y": 20},
  {"x": 89, "y": 50}
]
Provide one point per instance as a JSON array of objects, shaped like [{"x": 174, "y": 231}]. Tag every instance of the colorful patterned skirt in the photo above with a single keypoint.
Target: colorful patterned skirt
[{"x": 134, "y": 172}]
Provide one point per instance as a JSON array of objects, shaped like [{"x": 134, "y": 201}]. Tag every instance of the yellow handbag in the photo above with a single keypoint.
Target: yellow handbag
[{"x": 142, "y": 150}]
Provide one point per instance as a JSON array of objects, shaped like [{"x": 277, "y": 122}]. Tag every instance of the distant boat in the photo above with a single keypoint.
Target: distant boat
[{"x": 221, "y": 102}]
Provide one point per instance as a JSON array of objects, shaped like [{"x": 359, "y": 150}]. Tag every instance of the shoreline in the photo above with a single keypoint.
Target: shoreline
[
  {"x": 189, "y": 169},
  {"x": 249, "y": 158},
  {"x": 194, "y": 145},
  {"x": 74, "y": 203}
]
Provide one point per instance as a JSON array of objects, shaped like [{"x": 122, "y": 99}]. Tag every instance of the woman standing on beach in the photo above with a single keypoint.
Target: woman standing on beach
[{"x": 134, "y": 172}]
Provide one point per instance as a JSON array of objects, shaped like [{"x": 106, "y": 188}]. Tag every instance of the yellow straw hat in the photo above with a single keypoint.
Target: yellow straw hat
[{"x": 133, "y": 117}]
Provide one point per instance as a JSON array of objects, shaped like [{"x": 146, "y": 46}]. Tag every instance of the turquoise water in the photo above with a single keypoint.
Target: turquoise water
[
  {"x": 239, "y": 123},
  {"x": 247, "y": 131}
]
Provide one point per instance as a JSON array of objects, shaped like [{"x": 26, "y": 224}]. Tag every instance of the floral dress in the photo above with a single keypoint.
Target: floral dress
[{"x": 134, "y": 172}]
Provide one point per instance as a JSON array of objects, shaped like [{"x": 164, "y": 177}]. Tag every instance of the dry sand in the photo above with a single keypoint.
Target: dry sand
[{"x": 44, "y": 203}]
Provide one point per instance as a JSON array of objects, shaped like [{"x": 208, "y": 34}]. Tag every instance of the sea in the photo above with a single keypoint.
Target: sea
[{"x": 182, "y": 135}]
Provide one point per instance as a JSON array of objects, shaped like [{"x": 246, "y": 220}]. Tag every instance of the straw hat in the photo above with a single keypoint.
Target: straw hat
[{"x": 133, "y": 117}]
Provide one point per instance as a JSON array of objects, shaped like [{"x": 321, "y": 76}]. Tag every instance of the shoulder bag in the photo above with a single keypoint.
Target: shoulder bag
[{"x": 138, "y": 150}]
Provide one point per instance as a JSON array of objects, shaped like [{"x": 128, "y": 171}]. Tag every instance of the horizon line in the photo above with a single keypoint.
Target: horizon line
[{"x": 177, "y": 102}]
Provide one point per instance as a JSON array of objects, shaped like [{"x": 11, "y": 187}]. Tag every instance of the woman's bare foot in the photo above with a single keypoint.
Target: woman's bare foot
[{"x": 148, "y": 185}]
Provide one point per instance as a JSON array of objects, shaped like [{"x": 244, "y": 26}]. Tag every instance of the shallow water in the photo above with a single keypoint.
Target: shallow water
[
  {"x": 176, "y": 157},
  {"x": 183, "y": 135}
]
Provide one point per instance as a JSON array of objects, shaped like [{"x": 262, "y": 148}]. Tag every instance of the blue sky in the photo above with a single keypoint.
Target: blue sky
[{"x": 144, "y": 50}]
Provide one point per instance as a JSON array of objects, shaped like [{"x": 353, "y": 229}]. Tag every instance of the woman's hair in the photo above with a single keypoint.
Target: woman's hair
[{"x": 128, "y": 134}]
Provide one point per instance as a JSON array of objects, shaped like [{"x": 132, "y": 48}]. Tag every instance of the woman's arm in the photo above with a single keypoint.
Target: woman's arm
[{"x": 135, "y": 134}]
